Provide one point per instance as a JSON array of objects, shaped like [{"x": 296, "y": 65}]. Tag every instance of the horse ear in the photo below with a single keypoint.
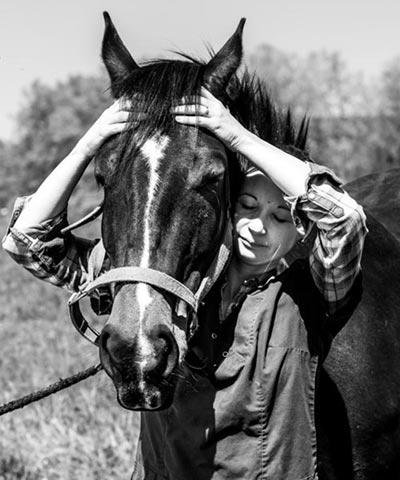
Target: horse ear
[
  {"x": 224, "y": 64},
  {"x": 116, "y": 56}
]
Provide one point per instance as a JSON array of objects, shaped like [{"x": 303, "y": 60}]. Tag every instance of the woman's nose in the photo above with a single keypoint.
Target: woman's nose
[{"x": 258, "y": 226}]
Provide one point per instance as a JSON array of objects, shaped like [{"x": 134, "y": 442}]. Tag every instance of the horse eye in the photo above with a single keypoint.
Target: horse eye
[{"x": 212, "y": 180}]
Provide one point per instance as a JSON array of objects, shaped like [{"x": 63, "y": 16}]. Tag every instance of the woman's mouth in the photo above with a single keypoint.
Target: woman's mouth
[{"x": 250, "y": 244}]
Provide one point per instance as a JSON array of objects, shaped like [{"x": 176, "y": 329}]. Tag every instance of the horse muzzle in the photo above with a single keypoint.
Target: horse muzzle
[{"x": 143, "y": 369}]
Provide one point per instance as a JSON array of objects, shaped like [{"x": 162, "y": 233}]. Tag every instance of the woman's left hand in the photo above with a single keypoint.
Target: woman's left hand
[
  {"x": 208, "y": 112},
  {"x": 111, "y": 122}
]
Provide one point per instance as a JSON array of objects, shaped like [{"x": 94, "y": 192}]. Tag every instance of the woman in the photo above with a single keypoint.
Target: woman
[{"x": 245, "y": 408}]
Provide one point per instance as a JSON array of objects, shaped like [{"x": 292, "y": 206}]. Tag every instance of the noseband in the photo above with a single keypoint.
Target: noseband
[{"x": 149, "y": 276}]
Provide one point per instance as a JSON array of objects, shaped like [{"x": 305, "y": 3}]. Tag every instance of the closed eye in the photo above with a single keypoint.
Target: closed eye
[
  {"x": 247, "y": 202},
  {"x": 282, "y": 218},
  {"x": 247, "y": 207}
]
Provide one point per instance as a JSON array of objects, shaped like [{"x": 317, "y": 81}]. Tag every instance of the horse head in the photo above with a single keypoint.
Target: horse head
[{"x": 165, "y": 188}]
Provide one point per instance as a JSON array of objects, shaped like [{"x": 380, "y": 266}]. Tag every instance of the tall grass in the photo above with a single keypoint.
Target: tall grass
[{"x": 79, "y": 433}]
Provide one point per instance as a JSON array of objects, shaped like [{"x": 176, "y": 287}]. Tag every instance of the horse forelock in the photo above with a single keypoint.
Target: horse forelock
[{"x": 153, "y": 90}]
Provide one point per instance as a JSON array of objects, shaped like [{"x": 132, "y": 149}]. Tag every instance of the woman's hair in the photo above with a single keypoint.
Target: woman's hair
[{"x": 251, "y": 169}]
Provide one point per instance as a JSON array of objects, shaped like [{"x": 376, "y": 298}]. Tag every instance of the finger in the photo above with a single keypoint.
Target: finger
[
  {"x": 116, "y": 105},
  {"x": 125, "y": 104},
  {"x": 121, "y": 104},
  {"x": 199, "y": 110},
  {"x": 118, "y": 117},
  {"x": 115, "y": 128},
  {"x": 191, "y": 120}
]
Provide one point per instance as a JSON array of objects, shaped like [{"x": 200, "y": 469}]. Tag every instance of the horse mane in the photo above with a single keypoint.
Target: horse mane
[
  {"x": 158, "y": 85},
  {"x": 252, "y": 105}
]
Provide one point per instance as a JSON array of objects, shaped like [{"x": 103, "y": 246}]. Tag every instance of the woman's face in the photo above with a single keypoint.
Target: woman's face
[{"x": 264, "y": 231}]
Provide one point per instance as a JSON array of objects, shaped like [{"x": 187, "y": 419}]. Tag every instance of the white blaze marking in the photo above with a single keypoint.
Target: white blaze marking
[{"x": 153, "y": 151}]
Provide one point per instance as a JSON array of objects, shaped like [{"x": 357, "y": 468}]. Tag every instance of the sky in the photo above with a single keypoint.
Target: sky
[{"x": 51, "y": 39}]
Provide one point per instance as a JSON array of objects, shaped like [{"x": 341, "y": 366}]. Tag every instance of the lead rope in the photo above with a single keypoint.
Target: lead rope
[
  {"x": 47, "y": 391},
  {"x": 63, "y": 383}
]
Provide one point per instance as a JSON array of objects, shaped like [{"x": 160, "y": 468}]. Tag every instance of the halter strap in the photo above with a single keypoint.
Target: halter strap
[
  {"x": 120, "y": 275},
  {"x": 150, "y": 276}
]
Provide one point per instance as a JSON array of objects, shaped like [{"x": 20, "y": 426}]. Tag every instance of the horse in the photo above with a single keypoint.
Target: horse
[
  {"x": 359, "y": 401},
  {"x": 173, "y": 214},
  {"x": 163, "y": 226}
]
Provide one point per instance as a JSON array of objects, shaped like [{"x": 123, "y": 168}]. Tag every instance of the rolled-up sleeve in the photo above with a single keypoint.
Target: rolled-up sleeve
[
  {"x": 44, "y": 252},
  {"x": 337, "y": 224}
]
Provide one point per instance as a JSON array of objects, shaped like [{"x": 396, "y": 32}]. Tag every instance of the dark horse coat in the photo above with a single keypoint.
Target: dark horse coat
[{"x": 359, "y": 396}]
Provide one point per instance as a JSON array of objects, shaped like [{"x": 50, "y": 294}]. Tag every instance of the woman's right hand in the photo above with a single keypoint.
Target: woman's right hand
[
  {"x": 112, "y": 121},
  {"x": 210, "y": 113},
  {"x": 52, "y": 196}
]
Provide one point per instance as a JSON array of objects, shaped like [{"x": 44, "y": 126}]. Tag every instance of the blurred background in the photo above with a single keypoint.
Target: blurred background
[{"x": 337, "y": 62}]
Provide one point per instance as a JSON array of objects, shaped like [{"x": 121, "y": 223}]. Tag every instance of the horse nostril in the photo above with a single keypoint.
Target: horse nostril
[
  {"x": 163, "y": 338},
  {"x": 112, "y": 345},
  {"x": 168, "y": 344},
  {"x": 104, "y": 336},
  {"x": 167, "y": 349}
]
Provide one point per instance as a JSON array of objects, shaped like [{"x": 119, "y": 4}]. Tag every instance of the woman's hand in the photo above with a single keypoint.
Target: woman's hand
[
  {"x": 112, "y": 121},
  {"x": 208, "y": 112},
  {"x": 52, "y": 196},
  {"x": 287, "y": 172}
]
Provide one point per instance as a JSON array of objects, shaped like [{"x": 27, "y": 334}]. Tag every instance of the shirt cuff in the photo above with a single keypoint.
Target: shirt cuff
[
  {"x": 317, "y": 174},
  {"x": 41, "y": 231}
]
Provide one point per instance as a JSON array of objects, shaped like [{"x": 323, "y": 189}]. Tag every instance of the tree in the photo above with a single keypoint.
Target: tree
[
  {"x": 339, "y": 103},
  {"x": 50, "y": 123},
  {"x": 387, "y": 137},
  {"x": 319, "y": 83}
]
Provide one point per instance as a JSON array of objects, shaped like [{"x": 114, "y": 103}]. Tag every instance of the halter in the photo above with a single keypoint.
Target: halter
[{"x": 149, "y": 276}]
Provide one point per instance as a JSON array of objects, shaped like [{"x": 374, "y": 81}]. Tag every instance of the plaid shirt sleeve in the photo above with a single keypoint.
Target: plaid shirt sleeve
[
  {"x": 338, "y": 224},
  {"x": 46, "y": 254}
]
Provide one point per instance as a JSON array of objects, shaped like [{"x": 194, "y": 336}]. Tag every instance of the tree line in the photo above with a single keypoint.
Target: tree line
[{"x": 354, "y": 123}]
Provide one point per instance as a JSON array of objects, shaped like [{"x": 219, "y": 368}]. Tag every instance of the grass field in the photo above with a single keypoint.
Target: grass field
[{"x": 79, "y": 433}]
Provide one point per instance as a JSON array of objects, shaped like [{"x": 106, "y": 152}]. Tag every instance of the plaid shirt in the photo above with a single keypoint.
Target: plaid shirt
[{"x": 325, "y": 215}]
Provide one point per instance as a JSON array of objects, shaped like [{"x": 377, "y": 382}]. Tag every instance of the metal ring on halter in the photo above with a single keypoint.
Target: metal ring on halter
[{"x": 79, "y": 321}]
